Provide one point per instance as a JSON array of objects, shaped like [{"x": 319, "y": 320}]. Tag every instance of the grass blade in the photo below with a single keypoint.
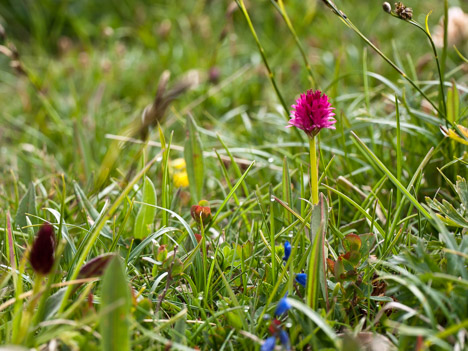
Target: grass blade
[
  {"x": 193, "y": 154},
  {"x": 367, "y": 152},
  {"x": 146, "y": 214},
  {"x": 115, "y": 308}
]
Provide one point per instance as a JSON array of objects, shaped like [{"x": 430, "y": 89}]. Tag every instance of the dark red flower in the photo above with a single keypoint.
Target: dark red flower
[{"x": 41, "y": 256}]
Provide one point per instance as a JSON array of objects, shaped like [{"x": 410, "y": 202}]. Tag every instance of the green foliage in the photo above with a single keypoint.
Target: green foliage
[
  {"x": 193, "y": 153},
  {"x": 115, "y": 308},
  {"x": 146, "y": 214},
  {"x": 26, "y": 207},
  {"x": 73, "y": 95}
]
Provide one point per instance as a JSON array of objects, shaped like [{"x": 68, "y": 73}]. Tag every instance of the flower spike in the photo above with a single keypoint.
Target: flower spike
[{"x": 312, "y": 113}]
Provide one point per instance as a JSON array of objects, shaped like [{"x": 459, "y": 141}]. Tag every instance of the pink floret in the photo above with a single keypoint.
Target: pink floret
[{"x": 312, "y": 112}]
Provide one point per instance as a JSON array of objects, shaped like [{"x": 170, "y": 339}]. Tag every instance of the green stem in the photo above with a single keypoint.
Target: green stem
[
  {"x": 313, "y": 170},
  {"x": 444, "y": 50},
  {"x": 439, "y": 70},
  {"x": 27, "y": 314},
  {"x": 349, "y": 24}
]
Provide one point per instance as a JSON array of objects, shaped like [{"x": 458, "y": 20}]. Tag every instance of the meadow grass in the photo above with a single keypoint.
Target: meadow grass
[{"x": 119, "y": 118}]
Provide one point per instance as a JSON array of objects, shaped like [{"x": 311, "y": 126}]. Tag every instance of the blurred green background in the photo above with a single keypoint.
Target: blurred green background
[{"x": 96, "y": 65}]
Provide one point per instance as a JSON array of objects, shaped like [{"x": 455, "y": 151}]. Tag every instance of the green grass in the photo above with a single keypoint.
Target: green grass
[{"x": 76, "y": 152}]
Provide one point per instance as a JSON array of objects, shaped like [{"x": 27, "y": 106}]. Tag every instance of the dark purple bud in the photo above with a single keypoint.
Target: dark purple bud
[
  {"x": 41, "y": 256},
  {"x": 95, "y": 267}
]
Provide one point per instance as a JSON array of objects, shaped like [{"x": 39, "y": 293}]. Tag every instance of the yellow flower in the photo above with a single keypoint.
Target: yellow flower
[
  {"x": 180, "y": 179},
  {"x": 178, "y": 172},
  {"x": 452, "y": 134},
  {"x": 178, "y": 163}
]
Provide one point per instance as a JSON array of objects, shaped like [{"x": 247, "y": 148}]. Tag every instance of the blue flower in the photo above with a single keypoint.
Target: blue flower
[
  {"x": 269, "y": 344},
  {"x": 287, "y": 250},
  {"x": 284, "y": 338},
  {"x": 283, "y": 306},
  {"x": 301, "y": 278}
]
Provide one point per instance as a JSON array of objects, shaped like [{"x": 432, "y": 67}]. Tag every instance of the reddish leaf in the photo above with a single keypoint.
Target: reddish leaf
[
  {"x": 352, "y": 242},
  {"x": 353, "y": 257},
  {"x": 331, "y": 265}
]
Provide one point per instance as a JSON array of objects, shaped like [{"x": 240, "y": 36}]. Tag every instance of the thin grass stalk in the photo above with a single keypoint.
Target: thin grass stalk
[
  {"x": 350, "y": 25},
  {"x": 444, "y": 50},
  {"x": 279, "y": 4},
  {"x": 436, "y": 57},
  {"x": 272, "y": 235},
  {"x": 398, "y": 149},
  {"x": 271, "y": 75}
]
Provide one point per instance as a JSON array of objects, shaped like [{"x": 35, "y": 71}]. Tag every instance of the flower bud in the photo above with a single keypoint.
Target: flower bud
[
  {"x": 201, "y": 212},
  {"x": 95, "y": 267},
  {"x": 214, "y": 75},
  {"x": 162, "y": 253},
  {"x": 387, "y": 7},
  {"x": 41, "y": 256}
]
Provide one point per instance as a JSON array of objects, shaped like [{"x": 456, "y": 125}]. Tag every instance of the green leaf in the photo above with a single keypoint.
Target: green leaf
[
  {"x": 314, "y": 317},
  {"x": 287, "y": 197},
  {"x": 453, "y": 104},
  {"x": 462, "y": 190},
  {"x": 115, "y": 308},
  {"x": 86, "y": 205},
  {"x": 148, "y": 241},
  {"x": 367, "y": 243},
  {"x": 193, "y": 154},
  {"x": 27, "y": 205},
  {"x": 316, "y": 269},
  {"x": 353, "y": 257},
  {"x": 146, "y": 214},
  {"x": 339, "y": 269},
  {"x": 53, "y": 303},
  {"x": 65, "y": 233},
  {"x": 352, "y": 242}
]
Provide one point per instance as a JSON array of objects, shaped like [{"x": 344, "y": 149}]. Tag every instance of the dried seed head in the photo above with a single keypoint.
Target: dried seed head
[
  {"x": 41, "y": 256},
  {"x": 403, "y": 12},
  {"x": 387, "y": 7}
]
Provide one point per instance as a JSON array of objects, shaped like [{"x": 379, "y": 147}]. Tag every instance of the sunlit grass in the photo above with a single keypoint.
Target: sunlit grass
[{"x": 100, "y": 105}]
